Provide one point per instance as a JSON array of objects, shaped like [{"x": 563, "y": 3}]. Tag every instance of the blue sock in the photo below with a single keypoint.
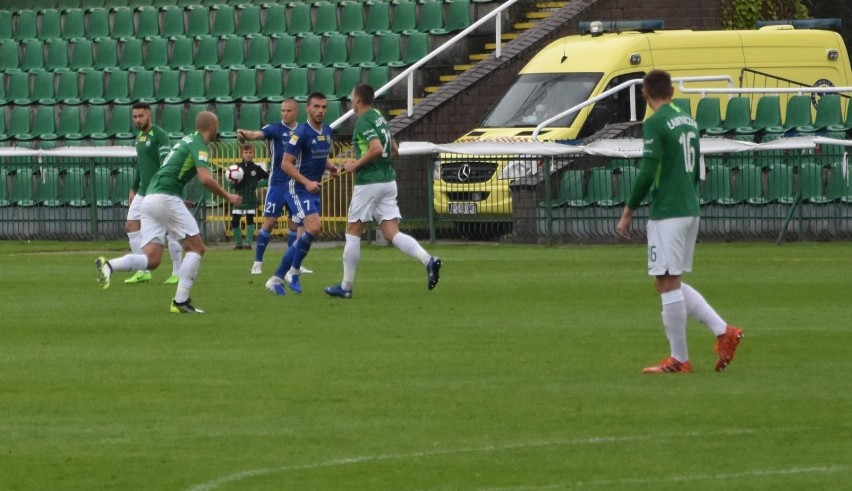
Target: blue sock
[
  {"x": 262, "y": 241},
  {"x": 291, "y": 238},
  {"x": 302, "y": 247},
  {"x": 286, "y": 261}
]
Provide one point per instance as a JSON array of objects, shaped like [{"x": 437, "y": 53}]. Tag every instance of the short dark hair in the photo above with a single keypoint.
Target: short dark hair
[
  {"x": 248, "y": 146},
  {"x": 316, "y": 95},
  {"x": 658, "y": 84},
  {"x": 366, "y": 93},
  {"x": 142, "y": 105}
]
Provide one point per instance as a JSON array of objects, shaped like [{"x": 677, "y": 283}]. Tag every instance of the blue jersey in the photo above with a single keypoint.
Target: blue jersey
[
  {"x": 311, "y": 149},
  {"x": 278, "y": 135}
]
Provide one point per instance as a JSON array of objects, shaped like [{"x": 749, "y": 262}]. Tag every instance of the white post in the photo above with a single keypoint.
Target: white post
[
  {"x": 410, "y": 93},
  {"x": 498, "y": 29}
]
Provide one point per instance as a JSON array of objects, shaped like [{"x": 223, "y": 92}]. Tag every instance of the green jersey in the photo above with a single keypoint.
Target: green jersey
[
  {"x": 151, "y": 147},
  {"x": 372, "y": 125},
  {"x": 253, "y": 177},
  {"x": 180, "y": 164},
  {"x": 670, "y": 165}
]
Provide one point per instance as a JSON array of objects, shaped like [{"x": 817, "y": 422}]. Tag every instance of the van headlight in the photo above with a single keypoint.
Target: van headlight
[{"x": 515, "y": 169}]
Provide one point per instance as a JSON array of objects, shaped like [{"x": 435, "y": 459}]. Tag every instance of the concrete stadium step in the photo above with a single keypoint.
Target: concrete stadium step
[
  {"x": 537, "y": 15},
  {"x": 462, "y": 68},
  {"x": 522, "y": 26}
]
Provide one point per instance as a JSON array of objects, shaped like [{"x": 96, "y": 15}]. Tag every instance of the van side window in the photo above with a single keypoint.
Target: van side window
[{"x": 615, "y": 108}]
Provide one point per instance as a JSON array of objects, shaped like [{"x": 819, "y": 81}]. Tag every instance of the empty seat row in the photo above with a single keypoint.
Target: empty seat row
[
  {"x": 99, "y": 122},
  {"x": 756, "y": 185},
  {"x": 176, "y": 86},
  {"x": 254, "y": 51},
  {"x": 74, "y": 186},
  {"x": 86, "y": 4},
  {"x": 225, "y": 20},
  {"x": 603, "y": 186}
]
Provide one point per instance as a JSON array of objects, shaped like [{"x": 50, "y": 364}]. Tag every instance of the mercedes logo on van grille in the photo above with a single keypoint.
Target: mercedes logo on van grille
[
  {"x": 467, "y": 172},
  {"x": 464, "y": 173}
]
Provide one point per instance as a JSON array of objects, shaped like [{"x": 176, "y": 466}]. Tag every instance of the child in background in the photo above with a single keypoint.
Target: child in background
[{"x": 253, "y": 177}]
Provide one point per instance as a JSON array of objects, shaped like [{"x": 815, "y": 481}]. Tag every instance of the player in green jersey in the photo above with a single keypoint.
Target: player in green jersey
[
  {"x": 152, "y": 145},
  {"x": 670, "y": 170},
  {"x": 164, "y": 212},
  {"x": 375, "y": 193}
]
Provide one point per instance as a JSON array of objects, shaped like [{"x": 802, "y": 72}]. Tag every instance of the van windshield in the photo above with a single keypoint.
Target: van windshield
[{"x": 536, "y": 97}]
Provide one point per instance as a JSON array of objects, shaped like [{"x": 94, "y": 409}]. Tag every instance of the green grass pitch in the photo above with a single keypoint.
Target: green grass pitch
[{"x": 520, "y": 371}]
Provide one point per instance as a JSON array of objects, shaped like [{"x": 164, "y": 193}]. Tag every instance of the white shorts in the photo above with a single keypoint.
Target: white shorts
[
  {"x": 135, "y": 210},
  {"x": 163, "y": 215},
  {"x": 374, "y": 201},
  {"x": 237, "y": 211},
  {"x": 671, "y": 245}
]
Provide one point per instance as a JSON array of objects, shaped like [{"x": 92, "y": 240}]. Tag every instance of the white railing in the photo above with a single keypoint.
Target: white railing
[
  {"x": 631, "y": 86},
  {"x": 778, "y": 90},
  {"x": 409, "y": 72}
]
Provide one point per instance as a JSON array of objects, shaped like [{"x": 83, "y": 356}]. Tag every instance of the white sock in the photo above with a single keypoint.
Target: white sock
[
  {"x": 408, "y": 245},
  {"x": 351, "y": 257},
  {"x": 129, "y": 262},
  {"x": 187, "y": 274},
  {"x": 674, "y": 320},
  {"x": 699, "y": 309},
  {"x": 175, "y": 250},
  {"x": 135, "y": 240}
]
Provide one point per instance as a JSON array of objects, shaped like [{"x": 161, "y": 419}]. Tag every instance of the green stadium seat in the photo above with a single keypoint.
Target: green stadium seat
[
  {"x": 779, "y": 185},
  {"x": 102, "y": 186},
  {"x": 108, "y": 4},
  {"x": 73, "y": 25},
  {"x": 404, "y": 18},
  {"x": 21, "y": 193},
  {"x": 117, "y": 90},
  {"x": 106, "y": 53},
  {"x": 3, "y": 102},
  {"x": 378, "y": 17},
  {"x": 227, "y": 120},
  {"x": 323, "y": 82},
  {"x": 296, "y": 86},
  {"x": 249, "y": 20},
  {"x": 69, "y": 123},
  {"x": 245, "y": 85},
  {"x": 208, "y": 52},
  {"x": 717, "y": 186},
  {"x": 219, "y": 85},
  {"x": 458, "y": 15},
  {"x": 224, "y": 22},
  {"x": 124, "y": 177},
  {"x": 4, "y": 190},
  {"x": 271, "y": 84},
  {"x": 57, "y": 54},
  {"x": 51, "y": 24},
  {"x": 846, "y": 124},
  {"x": 251, "y": 116},
  {"x": 749, "y": 186},
  {"x": 82, "y": 55},
  {"x": 148, "y": 22},
  {"x": 378, "y": 76},
  {"x": 708, "y": 114},
  {"x": 284, "y": 54},
  {"x": 737, "y": 117},
  {"x": 74, "y": 187},
  {"x": 300, "y": 19},
  {"x": 275, "y": 20},
  {"x": 351, "y": 17},
  {"x": 66, "y": 4},
  {"x": 258, "y": 55},
  {"x": 193, "y": 86},
  {"x": 310, "y": 51},
  {"x": 44, "y": 123},
  {"x": 26, "y": 24},
  {"x": 191, "y": 114},
  {"x": 98, "y": 24},
  {"x": 798, "y": 114},
  {"x": 92, "y": 91},
  {"x": 142, "y": 85},
  {"x": 811, "y": 184},
  {"x": 326, "y": 18},
  {"x": 570, "y": 188},
  {"x": 33, "y": 55},
  {"x": 48, "y": 187},
  {"x": 417, "y": 47},
  {"x": 5, "y": 24},
  {"x": 198, "y": 20},
  {"x": 767, "y": 113},
  {"x": 20, "y": 127},
  {"x": 94, "y": 122},
  {"x": 431, "y": 18},
  {"x": 361, "y": 52},
  {"x": 43, "y": 90},
  {"x": 233, "y": 53},
  {"x": 8, "y": 55},
  {"x": 168, "y": 86},
  {"x": 171, "y": 120},
  {"x": 336, "y": 51},
  {"x": 173, "y": 22},
  {"x": 272, "y": 114},
  {"x": 68, "y": 88},
  {"x": 684, "y": 104},
  {"x": 131, "y": 54},
  {"x": 349, "y": 78},
  {"x": 838, "y": 184},
  {"x": 18, "y": 90},
  {"x": 828, "y": 113},
  {"x": 182, "y": 53},
  {"x": 120, "y": 122},
  {"x": 333, "y": 111},
  {"x": 388, "y": 52},
  {"x": 122, "y": 23},
  {"x": 156, "y": 53}
]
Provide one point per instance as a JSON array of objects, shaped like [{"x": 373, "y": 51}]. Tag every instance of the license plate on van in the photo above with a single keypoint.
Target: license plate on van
[{"x": 462, "y": 208}]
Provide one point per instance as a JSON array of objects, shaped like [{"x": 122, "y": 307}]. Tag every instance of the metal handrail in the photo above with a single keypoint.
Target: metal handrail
[
  {"x": 409, "y": 72},
  {"x": 631, "y": 85}
]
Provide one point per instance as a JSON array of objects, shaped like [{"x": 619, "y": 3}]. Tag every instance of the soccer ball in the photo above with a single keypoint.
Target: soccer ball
[{"x": 234, "y": 174}]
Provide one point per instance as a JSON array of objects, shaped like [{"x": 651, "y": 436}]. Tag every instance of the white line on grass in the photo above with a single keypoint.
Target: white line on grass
[
  {"x": 241, "y": 476},
  {"x": 671, "y": 479}
]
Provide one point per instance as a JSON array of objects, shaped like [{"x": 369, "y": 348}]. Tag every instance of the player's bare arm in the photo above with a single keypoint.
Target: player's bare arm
[
  {"x": 289, "y": 167},
  {"x": 623, "y": 227},
  {"x": 206, "y": 179},
  {"x": 249, "y": 135},
  {"x": 374, "y": 150}
]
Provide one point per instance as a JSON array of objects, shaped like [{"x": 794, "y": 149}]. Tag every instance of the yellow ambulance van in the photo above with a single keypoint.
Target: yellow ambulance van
[{"x": 576, "y": 68}]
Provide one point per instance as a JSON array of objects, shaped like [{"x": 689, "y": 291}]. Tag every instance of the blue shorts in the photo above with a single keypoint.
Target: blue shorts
[
  {"x": 302, "y": 203},
  {"x": 276, "y": 202}
]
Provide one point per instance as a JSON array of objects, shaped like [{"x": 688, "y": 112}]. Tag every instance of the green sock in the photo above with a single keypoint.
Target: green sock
[
  {"x": 238, "y": 236},
  {"x": 249, "y": 232}
]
